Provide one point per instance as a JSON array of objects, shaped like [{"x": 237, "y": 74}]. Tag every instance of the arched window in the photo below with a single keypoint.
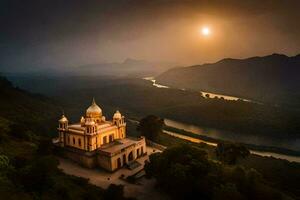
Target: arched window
[
  {"x": 73, "y": 140},
  {"x": 68, "y": 139},
  {"x": 111, "y": 138},
  {"x": 79, "y": 142}
]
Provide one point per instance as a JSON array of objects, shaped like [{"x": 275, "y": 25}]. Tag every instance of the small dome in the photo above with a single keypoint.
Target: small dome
[
  {"x": 117, "y": 115},
  {"x": 90, "y": 123},
  {"x": 63, "y": 119},
  {"x": 94, "y": 110}
]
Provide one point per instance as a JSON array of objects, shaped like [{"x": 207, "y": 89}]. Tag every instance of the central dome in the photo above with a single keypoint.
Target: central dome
[{"x": 94, "y": 110}]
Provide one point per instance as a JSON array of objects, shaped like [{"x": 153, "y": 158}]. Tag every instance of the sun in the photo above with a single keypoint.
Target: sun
[{"x": 205, "y": 31}]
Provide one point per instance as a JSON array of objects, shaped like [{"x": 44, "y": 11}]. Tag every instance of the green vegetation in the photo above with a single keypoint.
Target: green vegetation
[
  {"x": 138, "y": 98},
  {"x": 279, "y": 174},
  {"x": 24, "y": 142},
  {"x": 249, "y": 146},
  {"x": 28, "y": 169},
  {"x": 229, "y": 153},
  {"x": 269, "y": 79},
  {"x": 150, "y": 126},
  {"x": 185, "y": 172}
]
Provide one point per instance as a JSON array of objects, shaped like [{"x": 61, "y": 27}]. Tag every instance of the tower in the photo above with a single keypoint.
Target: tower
[
  {"x": 62, "y": 128},
  {"x": 119, "y": 121},
  {"x": 90, "y": 130},
  {"x": 82, "y": 121}
]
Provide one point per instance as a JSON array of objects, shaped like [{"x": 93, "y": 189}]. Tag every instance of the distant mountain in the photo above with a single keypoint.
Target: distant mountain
[
  {"x": 130, "y": 67},
  {"x": 273, "y": 78}
]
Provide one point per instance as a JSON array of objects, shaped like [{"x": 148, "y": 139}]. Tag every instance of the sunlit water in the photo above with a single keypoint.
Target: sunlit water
[
  {"x": 293, "y": 144},
  {"x": 212, "y": 133},
  {"x": 261, "y": 153},
  {"x": 154, "y": 82},
  {"x": 210, "y": 94},
  {"x": 197, "y": 140}
]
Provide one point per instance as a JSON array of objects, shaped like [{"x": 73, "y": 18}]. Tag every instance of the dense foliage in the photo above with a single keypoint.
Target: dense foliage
[
  {"x": 28, "y": 169},
  {"x": 23, "y": 128},
  {"x": 150, "y": 126},
  {"x": 229, "y": 153},
  {"x": 138, "y": 98},
  {"x": 185, "y": 172}
]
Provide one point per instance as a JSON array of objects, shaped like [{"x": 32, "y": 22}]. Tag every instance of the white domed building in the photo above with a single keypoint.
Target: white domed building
[{"x": 94, "y": 141}]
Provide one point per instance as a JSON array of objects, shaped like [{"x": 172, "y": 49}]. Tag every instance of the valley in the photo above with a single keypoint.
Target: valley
[{"x": 178, "y": 107}]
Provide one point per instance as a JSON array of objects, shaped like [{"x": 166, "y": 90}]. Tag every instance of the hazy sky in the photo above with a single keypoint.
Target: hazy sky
[{"x": 58, "y": 33}]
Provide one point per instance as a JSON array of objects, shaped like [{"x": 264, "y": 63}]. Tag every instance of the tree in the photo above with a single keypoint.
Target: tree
[
  {"x": 180, "y": 170},
  {"x": 229, "y": 153},
  {"x": 151, "y": 126}
]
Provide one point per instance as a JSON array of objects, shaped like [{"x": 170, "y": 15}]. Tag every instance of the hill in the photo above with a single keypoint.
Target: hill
[
  {"x": 28, "y": 169},
  {"x": 33, "y": 111},
  {"x": 32, "y": 171},
  {"x": 273, "y": 78},
  {"x": 136, "y": 98}
]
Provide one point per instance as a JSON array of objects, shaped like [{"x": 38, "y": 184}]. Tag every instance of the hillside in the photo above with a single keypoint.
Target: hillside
[
  {"x": 273, "y": 78},
  {"x": 32, "y": 173},
  {"x": 35, "y": 112},
  {"x": 28, "y": 169},
  {"x": 136, "y": 98}
]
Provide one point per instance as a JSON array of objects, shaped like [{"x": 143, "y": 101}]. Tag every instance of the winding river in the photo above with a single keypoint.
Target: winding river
[
  {"x": 203, "y": 93},
  {"x": 231, "y": 136},
  {"x": 226, "y": 136}
]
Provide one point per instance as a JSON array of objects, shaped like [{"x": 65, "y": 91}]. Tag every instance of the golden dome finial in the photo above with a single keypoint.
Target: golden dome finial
[
  {"x": 93, "y": 102},
  {"x": 94, "y": 110}
]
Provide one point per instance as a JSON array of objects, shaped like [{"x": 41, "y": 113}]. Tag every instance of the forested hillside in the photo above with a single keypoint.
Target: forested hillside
[
  {"x": 28, "y": 169},
  {"x": 273, "y": 79}
]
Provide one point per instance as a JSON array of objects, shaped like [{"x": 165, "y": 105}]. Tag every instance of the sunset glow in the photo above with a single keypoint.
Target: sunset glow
[{"x": 205, "y": 31}]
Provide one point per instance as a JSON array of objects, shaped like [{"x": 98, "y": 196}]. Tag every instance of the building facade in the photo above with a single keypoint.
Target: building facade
[{"x": 95, "y": 141}]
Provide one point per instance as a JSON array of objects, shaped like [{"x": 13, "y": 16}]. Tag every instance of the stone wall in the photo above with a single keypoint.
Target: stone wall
[{"x": 88, "y": 161}]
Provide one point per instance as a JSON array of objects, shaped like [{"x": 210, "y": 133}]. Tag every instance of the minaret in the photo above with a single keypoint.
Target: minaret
[
  {"x": 62, "y": 128},
  {"x": 90, "y": 130},
  {"x": 82, "y": 121},
  {"x": 119, "y": 121}
]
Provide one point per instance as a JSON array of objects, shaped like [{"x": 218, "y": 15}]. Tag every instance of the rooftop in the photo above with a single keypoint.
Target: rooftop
[{"x": 119, "y": 145}]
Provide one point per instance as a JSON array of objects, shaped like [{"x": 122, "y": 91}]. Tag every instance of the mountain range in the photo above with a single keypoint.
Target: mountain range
[
  {"x": 272, "y": 78},
  {"x": 128, "y": 68}
]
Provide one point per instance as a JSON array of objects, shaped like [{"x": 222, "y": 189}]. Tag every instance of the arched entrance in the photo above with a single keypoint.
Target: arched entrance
[
  {"x": 130, "y": 156},
  {"x": 124, "y": 159},
  {"x": 119, "y": 164}
]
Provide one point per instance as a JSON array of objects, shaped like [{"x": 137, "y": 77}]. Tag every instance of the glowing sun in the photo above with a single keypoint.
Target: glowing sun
[{"x": 205, "y": 31}]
